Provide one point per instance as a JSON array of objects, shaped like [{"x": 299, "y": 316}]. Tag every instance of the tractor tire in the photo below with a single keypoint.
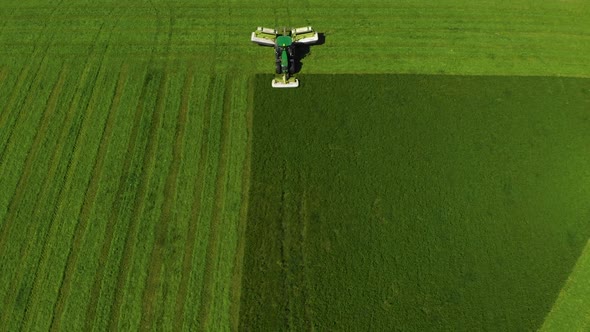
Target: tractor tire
[{"x": 278, "y": 68}]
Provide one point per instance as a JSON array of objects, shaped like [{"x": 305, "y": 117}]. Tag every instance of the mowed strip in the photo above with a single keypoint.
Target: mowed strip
[
  {"x": 171, "y": 273},
  {"x": 64, "y": 220},
  {"x": 44, "y": 200},
  {"x": 218, "y": 209},
  {"x": 35, "y": 60},
  {"x": 12, "y": 110},
  {"x": 87, "y": 265},
  {"x": 236, "y": 282},
  {"x": 166, "y": 217},
  {"x": 34, "y": 123},
  {"x": 89, "y": 201},
  {"x": 230, "y": 219},
  {"x": 194, "y": 297},
  {"x": 138, "y": 205},
  {"x": 3, "y": 75},
  {"x": 196, "y": 210},
  {"x": 97, "y": 292},
  {"x": 15, "y": 131},
  {"x": 151, "y": 214},
  {"x": 17, "y": 271}
]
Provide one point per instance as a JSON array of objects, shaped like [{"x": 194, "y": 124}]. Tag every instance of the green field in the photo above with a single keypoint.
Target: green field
[
  {"x": 131, "y": 150},
  {"x": 571, "y": 309},
  {"x": 459, "y": 207}
]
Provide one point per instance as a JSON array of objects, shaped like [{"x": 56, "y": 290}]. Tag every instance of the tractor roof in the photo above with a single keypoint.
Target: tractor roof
[{"x": 284, "y": 41}]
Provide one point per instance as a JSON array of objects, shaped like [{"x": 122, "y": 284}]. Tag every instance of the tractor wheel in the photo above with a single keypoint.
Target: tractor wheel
[{"x": 278, "y": 68}]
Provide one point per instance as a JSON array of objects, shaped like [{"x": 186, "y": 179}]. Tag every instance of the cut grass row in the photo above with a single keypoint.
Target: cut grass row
[
  {"x": 51, "y": 266},
  {"x": 191, "y": 198},
  {"x": 110, "y": 226},
  {"x": 56, "y": 172},
  {"x": 128, "y": 282},
  {"x": 156, "y": 261},
  {"x": 18, "y": 256},
  {"x": 89, "y": 201},
  {"x": 87, "y": 151},
  {"x": 91, "y": 170}
]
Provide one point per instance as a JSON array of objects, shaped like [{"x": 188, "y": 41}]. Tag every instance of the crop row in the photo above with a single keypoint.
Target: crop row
[{"x": 122, "y": 185}]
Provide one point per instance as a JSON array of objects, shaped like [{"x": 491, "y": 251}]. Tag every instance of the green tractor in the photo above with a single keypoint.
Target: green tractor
[{"x": 285, "y": 51}]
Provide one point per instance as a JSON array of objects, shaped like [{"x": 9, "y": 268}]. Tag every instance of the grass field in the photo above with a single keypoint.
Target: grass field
[
  {"x": 439, "y": 203},
  {"x": 571, "y": 309},
  {"x": 127, "y": 139}
]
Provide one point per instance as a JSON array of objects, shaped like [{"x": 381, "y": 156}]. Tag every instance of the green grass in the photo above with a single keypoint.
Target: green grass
[
  {"x": 571, "y": 310},
  {"x": 126, "y": 136},
  {"x": 415, "y": 202}
]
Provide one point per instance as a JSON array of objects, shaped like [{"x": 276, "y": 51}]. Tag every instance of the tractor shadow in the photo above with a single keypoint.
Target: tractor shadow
[{"x": 300, "y": 51}]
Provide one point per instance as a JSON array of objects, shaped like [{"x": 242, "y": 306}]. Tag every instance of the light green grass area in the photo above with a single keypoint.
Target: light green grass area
[
  {"x": 125, "y": 136},
  {"x": 415, "y": 202},
  {"x": 571, "y": 311}
]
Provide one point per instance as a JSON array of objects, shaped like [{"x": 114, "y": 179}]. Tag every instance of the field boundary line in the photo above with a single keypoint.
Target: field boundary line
[
  {"x": 156, "y": 259},
  {"x": 88, "y": 203},
  {"x": 16, "y": 197},
  {"x": 218, "y": 207},
  {"x": 139, "y": 202},
  {"x": 51, "y": 105},
  {"x": 113, "y": 217},
  {"x": 236, "y": 283},
  {"x": 195, "y": 215}
]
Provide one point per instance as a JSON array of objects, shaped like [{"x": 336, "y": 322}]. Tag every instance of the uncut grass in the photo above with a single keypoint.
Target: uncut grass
[{"x": 414, "y": 202}]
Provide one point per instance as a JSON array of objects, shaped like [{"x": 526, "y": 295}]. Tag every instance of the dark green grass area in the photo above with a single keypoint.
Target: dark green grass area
[{"x": 405, "y": 202}]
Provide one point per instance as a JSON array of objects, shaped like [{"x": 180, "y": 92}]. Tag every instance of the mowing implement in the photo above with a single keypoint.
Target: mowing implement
[{"x": 284, "y": 45}]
